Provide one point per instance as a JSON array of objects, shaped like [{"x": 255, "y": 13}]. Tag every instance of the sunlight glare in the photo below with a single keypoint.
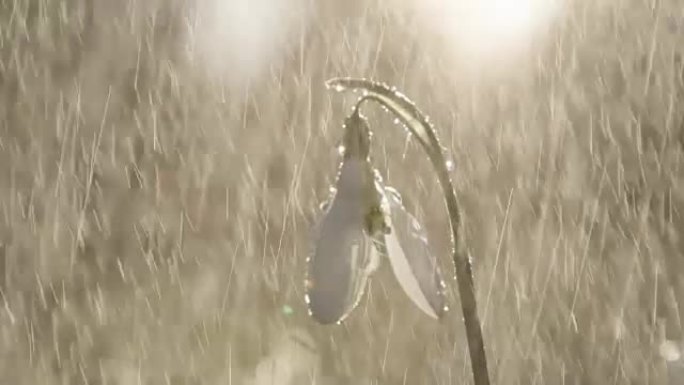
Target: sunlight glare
[
  {"x": 503, "y": 17},
  {"x": 239, "y": 38},
  {"x": 494, "y": 26}
]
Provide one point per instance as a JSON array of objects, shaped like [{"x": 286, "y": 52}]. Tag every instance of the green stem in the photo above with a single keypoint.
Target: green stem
[{"x": 420, "y": 127}]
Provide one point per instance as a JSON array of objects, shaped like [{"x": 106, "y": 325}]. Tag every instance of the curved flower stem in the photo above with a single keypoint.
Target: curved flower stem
[{"x": 419, "y": 125}]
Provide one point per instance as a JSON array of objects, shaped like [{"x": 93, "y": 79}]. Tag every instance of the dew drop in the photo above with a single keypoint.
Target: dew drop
[
  {"x": 341, "y": 149},
  {"x": 397, "y": 121},
  {"x": 306, "y": 299},
  {"x": 446, "y": 308},
  {"x": 394, "y": 194},
  {"x": 338, "y": 87},
  {"x": 450, "y": 165}
]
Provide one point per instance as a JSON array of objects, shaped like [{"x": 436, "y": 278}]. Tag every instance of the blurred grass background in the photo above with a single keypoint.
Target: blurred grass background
[{"x": 160, "y": 175}]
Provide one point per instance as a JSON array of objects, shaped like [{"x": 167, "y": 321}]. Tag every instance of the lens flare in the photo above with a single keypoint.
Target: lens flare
[
  {"x": 492, "y": 27},
  {"x": 502, "y": 18},
  {"x": 241, "y": 38}
]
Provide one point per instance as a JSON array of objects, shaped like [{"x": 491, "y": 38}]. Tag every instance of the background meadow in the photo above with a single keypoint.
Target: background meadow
[{"x": 162, "y": 164}]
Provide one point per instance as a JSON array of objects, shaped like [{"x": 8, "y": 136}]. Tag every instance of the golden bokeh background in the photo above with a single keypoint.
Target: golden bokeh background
[{"x": 162, "y": 164}]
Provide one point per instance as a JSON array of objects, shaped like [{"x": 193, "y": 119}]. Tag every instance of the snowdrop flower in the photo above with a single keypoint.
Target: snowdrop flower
[
  {"x": 362, "y": 221},
  {"x": 398, "y": 235}
]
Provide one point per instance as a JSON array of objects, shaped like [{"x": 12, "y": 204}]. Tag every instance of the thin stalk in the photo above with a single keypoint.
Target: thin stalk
[{"x": 419, "y": 125}]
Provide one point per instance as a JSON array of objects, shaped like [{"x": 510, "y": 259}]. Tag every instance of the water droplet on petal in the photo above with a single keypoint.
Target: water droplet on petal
[{"x": 391, "y": 192}]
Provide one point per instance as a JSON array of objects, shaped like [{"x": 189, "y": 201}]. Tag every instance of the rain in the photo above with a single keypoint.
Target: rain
[{"x": 168, "y": 170}]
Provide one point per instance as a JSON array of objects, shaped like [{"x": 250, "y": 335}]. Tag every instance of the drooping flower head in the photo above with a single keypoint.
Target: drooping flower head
[
  {"x": 362, "y": 221},
  {"x": 402, "y": 240}
]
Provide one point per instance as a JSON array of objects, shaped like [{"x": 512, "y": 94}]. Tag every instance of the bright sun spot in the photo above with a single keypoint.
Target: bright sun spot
[
  {"x": 503, "y": 17},
  {"x": 240, "y": 38},
  {"x": 493, "y": 26}
]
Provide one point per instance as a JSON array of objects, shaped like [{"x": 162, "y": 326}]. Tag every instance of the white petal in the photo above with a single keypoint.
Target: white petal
[
  {"x": 343, "y": 255},
  {"x": 414, "y": 266}
]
